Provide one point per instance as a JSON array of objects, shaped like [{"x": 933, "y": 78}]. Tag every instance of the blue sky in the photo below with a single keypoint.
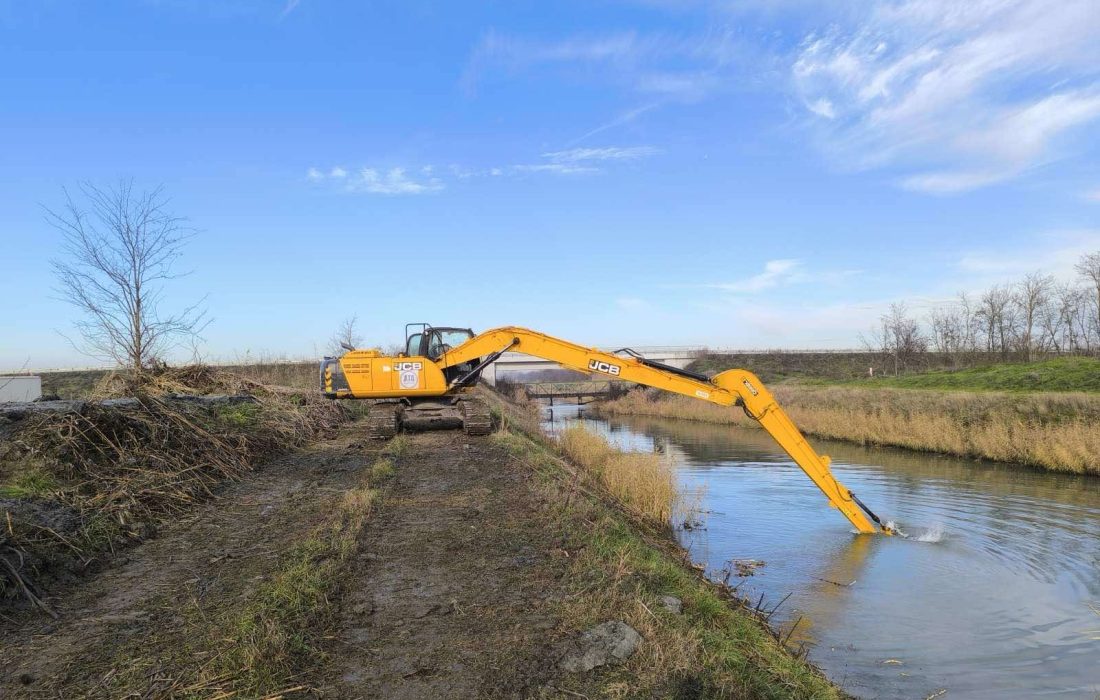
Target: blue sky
[{"x": 750, "y": 174}]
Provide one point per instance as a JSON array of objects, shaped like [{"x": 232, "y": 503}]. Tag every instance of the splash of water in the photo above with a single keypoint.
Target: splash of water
[
  {"x": 892, "y": 525},
  {"x": 936, "y": 533}
]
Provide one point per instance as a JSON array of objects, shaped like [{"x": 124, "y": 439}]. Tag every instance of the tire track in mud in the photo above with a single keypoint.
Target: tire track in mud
[{"x": 452, "y": 594}]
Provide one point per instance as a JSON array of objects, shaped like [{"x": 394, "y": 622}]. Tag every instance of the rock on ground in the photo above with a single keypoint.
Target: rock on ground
[
  {"x": 608, "y": 643},
  {"x": 672, "y": 604}
]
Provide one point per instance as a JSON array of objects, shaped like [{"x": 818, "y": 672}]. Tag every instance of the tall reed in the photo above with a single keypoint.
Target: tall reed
[
  {"x": 1055, "y": 431},
  {"x": 645, "y": 483}
]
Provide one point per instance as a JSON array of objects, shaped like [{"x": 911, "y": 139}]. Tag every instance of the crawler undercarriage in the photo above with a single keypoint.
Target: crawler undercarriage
[{"x": 389, "y": 416}]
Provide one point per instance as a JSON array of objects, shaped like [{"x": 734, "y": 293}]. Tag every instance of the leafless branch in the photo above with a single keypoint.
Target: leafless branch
[{"x": 119, "y": 250}]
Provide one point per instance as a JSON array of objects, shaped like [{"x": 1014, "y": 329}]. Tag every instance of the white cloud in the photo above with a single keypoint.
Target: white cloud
[
  {"x": 775, "y": 272},
  {"x": 1055, "y": 253},
  {"x": 392, "y": 182},
  {"x": 371, "y": 180},
  {"x": 289, "y": 7},
  {"x": 676, "y": 66},
  {"x": 784, "y": 272},
  {"x": 956, "y": 93},
  {"x": 429, "y": 178},
  {"x": 555, "y": 168},
  {"x": 822, "y": 108},
  {"x": 631, "y": 303},
  {"x": 575, "y": 155}
]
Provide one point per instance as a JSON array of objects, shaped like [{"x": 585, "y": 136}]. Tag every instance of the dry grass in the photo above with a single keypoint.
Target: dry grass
[
  {"x": 122, "y": 469},
  {"x": 278, "y": 635},
  {"x": 291, "y": 373},
  {"x": 620, "y": 568},
  {"x": 1055, "y": 431},
  {"x": 271, "y": 637},
  {"x": 644, "y": 483}
]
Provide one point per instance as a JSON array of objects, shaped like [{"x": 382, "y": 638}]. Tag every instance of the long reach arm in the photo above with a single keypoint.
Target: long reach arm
[{"x": 732, "y": 387}]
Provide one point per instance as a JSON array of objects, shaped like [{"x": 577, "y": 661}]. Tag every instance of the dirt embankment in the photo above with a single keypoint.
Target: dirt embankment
[
  {"x": 82, "y": 480},
  {"x": 436, "y": 566}
]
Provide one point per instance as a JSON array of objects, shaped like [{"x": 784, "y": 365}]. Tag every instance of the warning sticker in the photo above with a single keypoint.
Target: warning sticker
[{"x": 410, "y": 379}]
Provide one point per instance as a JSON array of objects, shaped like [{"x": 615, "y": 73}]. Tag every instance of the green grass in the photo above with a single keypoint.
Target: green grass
[
  {"x": 1061, "y": 374},
  {"x": 239, "y": 415},
  {"x": 33, "y": 482},
  {"x": 621, "y": 568}
]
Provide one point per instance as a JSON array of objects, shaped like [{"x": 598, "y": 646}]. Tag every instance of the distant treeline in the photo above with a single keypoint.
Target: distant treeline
[{"x": 1029, "y": 319}]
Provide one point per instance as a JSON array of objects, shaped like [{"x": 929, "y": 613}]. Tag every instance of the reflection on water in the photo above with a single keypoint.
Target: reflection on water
[{"x": 996, "y": 594}]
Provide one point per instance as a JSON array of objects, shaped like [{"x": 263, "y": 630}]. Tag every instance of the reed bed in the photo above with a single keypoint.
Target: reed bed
[
  {"x": 1054, "y": 431},
  {"x": 645, "y": 483}
]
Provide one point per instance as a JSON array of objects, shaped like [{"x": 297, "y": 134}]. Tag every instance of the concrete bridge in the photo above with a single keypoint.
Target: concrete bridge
[{"x": 515, "y": 362}]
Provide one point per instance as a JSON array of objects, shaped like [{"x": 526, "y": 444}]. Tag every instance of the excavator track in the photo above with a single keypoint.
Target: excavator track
[
  {"x": 476, "y": 419},
  {"x": 384, "y": 421}
]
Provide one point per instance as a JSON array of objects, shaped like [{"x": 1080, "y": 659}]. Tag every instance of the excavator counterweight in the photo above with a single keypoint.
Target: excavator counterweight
[{"x": 430, "y": 386}]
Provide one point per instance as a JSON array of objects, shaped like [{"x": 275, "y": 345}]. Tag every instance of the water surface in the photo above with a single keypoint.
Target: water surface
[{"x": 996, "y": 594}]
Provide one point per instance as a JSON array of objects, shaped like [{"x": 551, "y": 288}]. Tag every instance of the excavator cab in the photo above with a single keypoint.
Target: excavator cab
[{"x": 433, "y": 342}]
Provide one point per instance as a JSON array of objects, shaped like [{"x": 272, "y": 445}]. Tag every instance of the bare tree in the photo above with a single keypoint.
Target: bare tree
[
  {"x": 898, "y": 337},
  {"x": 996, "y": 319},
  {"x": 347, "y": 336},
  {"x": 1089, "y": 270},
  {"x": 119, "y": 251},
  {"x": 1032, "y": 297}
]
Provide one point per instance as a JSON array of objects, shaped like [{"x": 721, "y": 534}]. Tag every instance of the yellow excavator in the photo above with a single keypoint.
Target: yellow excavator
[{"x": 430, "y": 386}]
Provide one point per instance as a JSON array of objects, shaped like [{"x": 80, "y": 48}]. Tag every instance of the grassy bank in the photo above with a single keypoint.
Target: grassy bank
[
  {"x": 1055, "y": 431},
  {"x": 80, "y": 484},
  {"x": 1075, "y": 374},
  {"x": 624, "y": 561}
]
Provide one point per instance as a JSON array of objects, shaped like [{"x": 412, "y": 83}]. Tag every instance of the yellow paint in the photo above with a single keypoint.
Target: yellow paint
[{"x": 371, "y": 375}]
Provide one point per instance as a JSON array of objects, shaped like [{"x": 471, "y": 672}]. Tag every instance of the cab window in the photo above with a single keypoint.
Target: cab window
[
  {"x": 444, "y": 341},
  {"x": 413, "y": 346}
]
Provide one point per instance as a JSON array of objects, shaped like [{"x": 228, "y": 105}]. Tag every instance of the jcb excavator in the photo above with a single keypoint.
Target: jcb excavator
[{"x": 429, "y": 386}]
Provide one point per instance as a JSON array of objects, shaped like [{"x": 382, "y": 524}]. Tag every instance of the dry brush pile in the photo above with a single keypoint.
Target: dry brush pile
[
  {"x": 80, "y": 482},
  {"x": 1055, "y": 431}
]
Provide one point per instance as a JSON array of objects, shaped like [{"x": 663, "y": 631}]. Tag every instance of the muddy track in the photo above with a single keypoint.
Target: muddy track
[{"x": 450, "y": 596}]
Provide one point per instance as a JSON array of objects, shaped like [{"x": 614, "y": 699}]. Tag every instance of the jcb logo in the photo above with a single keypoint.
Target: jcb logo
[
  {"x": 408, "y": 366},
  {"x": 597, "y": 366}
]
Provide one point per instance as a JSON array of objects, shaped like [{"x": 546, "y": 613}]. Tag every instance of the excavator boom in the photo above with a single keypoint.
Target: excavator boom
[
  {"x": 729, "y": 388},
  {"x": 735, "y": 386}
]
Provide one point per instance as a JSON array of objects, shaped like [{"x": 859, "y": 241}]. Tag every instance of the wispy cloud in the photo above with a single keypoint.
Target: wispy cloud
[
  {"x": 1053, "y": 252},
  {"x": 624, "y": 118},
  {"x": 289, "y": 7},
  {"x": 576, "y": 155},
  {"x": 775, "y": 272},
  {"x": 962, "y": 95},
  {"x": 555, "y": 168},
  {"x": 683, "y": 67},
  {"x": 631, "y": 303},
  {"x": 783, "y": 272},
  {"x": 394, "y": 181},
  {"x": 1093, "y": 195},
  {"x": 429, "y": 178}
]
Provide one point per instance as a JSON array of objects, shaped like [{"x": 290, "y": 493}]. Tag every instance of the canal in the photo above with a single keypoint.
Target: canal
[{"x": 995, "y": 594}]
